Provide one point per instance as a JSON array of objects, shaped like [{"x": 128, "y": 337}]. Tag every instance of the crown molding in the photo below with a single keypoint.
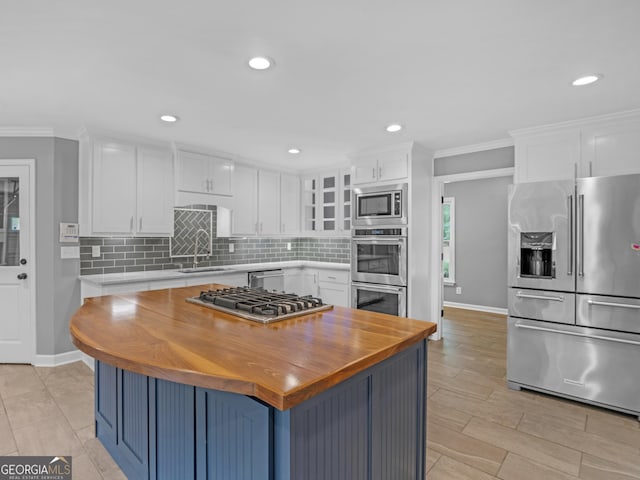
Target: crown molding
[
  {"x": 477, "y": 147},
  {"x": 576, "y": 124},
  {"x": 26, "y": 132}
]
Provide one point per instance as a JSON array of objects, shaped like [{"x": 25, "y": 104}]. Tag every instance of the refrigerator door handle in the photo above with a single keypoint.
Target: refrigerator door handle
[
  {"x": 539, "y": 297},
  {"x": 580, "y": 229},
  {"x": 570, "y": 224},
  {"x": 612, "y": 304},
  {"x": 576, "y": 334}
]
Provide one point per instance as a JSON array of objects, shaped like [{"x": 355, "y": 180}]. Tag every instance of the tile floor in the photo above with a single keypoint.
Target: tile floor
[
  {"x": 49, "y": 411},
  {"x": 479, "y": 429},
  {"x": 476, "y": 427}
]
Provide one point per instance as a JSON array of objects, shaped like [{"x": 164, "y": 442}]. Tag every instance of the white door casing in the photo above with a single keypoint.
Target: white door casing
[{"x": 17, "y": 272}]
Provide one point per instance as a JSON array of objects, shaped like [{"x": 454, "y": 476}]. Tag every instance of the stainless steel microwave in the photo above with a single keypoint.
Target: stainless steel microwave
[{"x": 380, "y": 205}]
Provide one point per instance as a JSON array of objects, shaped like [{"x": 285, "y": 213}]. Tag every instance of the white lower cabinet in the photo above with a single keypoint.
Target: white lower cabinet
[{"x": 333, "y": 287}]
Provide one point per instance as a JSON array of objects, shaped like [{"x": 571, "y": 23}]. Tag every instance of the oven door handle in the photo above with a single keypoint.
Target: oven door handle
[{"x": 378, "y": 288}]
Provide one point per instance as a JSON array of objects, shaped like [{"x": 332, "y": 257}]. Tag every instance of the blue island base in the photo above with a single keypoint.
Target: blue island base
[{"x": 369, "y": 427}]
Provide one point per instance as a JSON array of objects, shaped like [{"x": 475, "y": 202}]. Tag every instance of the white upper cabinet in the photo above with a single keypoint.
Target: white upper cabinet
[
  {"x": 154, "y": 191},
  {"x": 612, "y": 149},
  {"x": 268, "y": 203},
  {"x": 265, "y": 202},
  {"x": 125, "y": 189},
  {"x": 201, "y": 173},
  {"x": 114, "y": 188},
  {"x": 599, "y": 146},
  {"x": 380, "y": 167},
  {"x": 326, "y": 199},
  {"x": 289, "y": 204},
  {"x": 550, "y": 156},
  {"x": 244, "y": 217}
]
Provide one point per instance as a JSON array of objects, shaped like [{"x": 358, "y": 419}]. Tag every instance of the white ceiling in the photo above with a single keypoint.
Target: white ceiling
[{"x": 454, "y": 72}]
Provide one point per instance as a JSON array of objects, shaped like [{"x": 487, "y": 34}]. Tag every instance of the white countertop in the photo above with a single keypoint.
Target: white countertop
[{"x": 151, "y": 275}]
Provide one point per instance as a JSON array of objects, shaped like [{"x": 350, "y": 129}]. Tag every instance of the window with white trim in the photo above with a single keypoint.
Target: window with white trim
[{"x": 448, "y": 240}]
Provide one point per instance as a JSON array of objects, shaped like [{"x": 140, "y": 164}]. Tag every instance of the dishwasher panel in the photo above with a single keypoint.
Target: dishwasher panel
[{"x": 272, "y": 280}]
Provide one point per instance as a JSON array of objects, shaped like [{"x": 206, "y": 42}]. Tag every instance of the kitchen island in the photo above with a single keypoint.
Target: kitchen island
[{"x": 183, "y": 391}]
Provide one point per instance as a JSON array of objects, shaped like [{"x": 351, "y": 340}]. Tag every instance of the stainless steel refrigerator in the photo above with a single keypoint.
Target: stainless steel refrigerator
[{"x": 574, "y": 290}]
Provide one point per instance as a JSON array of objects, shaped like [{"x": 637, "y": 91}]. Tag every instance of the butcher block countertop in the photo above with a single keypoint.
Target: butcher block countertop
[{"x": 157, "y": 333}]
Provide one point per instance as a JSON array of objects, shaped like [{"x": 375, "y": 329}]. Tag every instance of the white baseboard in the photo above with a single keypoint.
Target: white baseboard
[
  {"x": 88, "y": 361},
  {"x": 59, "y": 359},
  {"x": 479, "y": 308},
  {"x": 63, "y": 359}
]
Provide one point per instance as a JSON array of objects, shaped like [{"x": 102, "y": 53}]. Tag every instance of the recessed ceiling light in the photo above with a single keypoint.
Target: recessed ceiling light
[
  {"x": 394, "y": 127},
  {"x": 261, "y": 63},
  {"x": 587, "y": 80},
  {"x": 168, "y": 118},
  {"x": 294, "y": 151}
]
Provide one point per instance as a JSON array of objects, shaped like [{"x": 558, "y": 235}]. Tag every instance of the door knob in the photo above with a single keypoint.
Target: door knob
[
  {"x": 22, "y": 276},
  {"x": 23, "y": 261}
]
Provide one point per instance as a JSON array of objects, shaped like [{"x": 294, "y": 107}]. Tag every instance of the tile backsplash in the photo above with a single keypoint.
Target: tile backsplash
[{"x": 133, "y": 254}]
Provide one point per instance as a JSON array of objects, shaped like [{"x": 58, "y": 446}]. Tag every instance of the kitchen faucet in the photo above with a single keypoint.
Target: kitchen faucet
[{"x": 195, "y": 250}]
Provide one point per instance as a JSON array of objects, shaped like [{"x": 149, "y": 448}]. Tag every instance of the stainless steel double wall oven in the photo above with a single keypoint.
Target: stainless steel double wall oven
[{"x": 379, "y": 250}]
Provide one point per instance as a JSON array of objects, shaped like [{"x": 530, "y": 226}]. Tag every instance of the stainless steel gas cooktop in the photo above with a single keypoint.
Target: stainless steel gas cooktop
[{"x": 259, "y": 305}]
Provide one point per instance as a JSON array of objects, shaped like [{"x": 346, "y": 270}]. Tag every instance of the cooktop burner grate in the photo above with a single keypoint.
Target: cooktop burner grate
[{"x": 258, "y": 304}]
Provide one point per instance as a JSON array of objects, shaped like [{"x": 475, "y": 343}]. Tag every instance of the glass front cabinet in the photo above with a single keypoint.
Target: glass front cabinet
[{"x": 327, "y": 202}]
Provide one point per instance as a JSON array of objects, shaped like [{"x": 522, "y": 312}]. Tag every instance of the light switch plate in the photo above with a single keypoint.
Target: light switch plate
[
  {"x": 95, "y": 251},
  {"x": 69, "y": 252},
  {"x": 231, "y": 248}
]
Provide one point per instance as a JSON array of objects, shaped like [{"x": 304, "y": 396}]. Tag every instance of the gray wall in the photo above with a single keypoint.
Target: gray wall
[
  {"x": 481, "y": 241},
  {"x": 56, "y": 280},
  {"x": 474, "y": 161}
]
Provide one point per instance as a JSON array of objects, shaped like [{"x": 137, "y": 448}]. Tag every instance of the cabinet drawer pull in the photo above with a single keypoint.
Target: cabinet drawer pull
[
  {"x": 539, "y": 297},
  {"x": 612, "y": 304}
]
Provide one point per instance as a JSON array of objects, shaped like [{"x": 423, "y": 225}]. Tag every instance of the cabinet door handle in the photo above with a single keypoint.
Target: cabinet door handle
[
  {"x": 261, "y": 226},
  {"x": 131, "y": 224},
  {"x": 282, "y": 228},
  {"x": 380, "y": 172},
  {"x": 373, "y": 173},
  {"x": 140, "y": 224}
]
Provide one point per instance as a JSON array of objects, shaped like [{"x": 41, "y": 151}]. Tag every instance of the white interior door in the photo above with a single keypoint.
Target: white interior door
[{"x": 17, "y": 331}]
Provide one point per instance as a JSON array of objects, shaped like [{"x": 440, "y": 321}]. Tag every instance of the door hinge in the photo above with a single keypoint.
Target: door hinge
[
  {"x": 442, "y": 257},
  {"x": 442, "y": 312},
  {"x": 442, "y": 200}
]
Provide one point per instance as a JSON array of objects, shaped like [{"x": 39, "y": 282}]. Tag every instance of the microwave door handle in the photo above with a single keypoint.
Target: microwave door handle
[{"x": 570, "y": 234}]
